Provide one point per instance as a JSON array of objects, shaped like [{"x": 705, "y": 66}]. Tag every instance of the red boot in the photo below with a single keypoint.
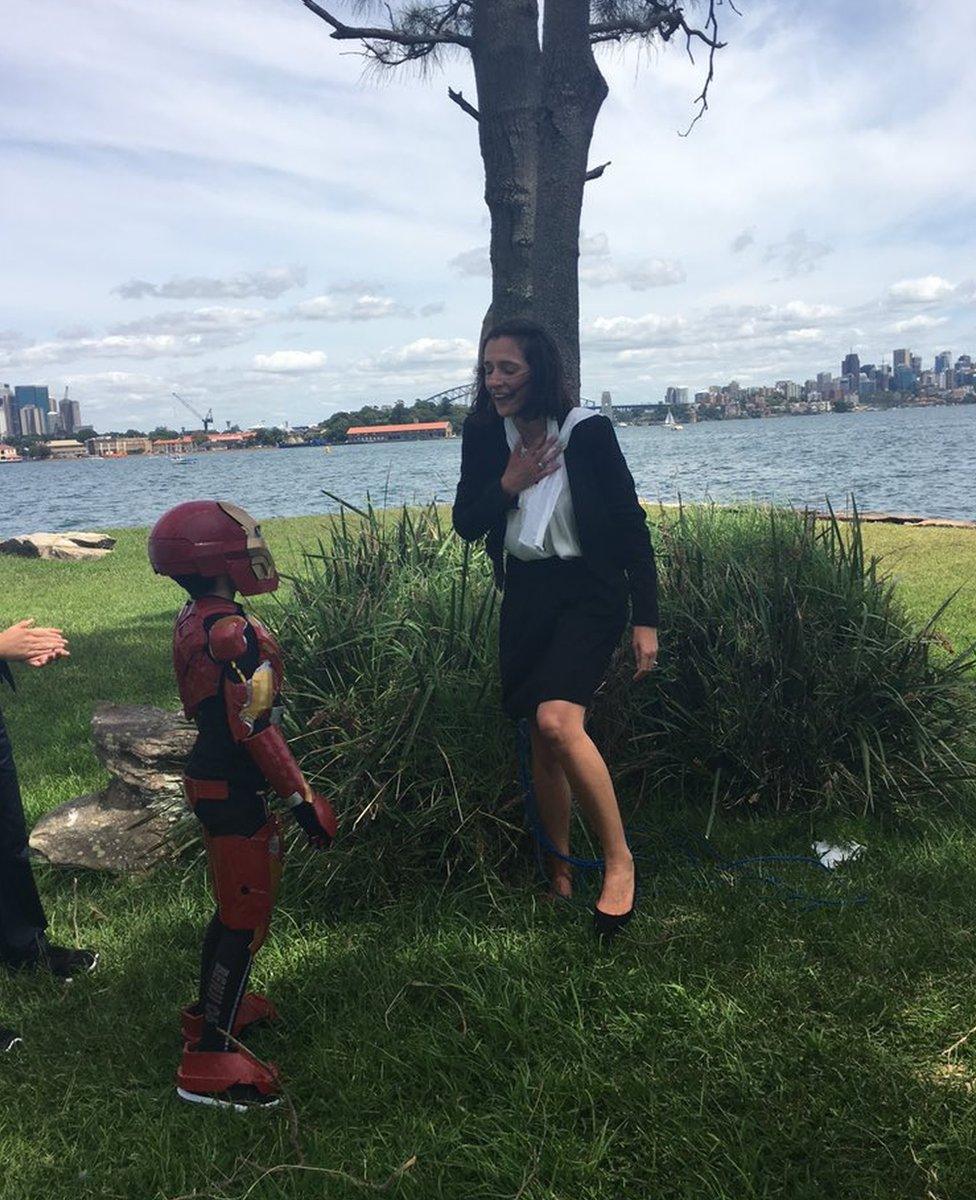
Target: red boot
[
  {"x": 231, "y": 1079},
  {"x": 252, "y": 1009}
]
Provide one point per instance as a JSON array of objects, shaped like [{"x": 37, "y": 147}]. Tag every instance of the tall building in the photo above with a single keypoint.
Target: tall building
[
  {"x": 915, "y": 362},
  {"x": 943, "y": 361},
  {"x": 32, "y": 421},
  {"x": 32, "y": 394},
  {"x": 824, "y": 380},
  {"x": 901, "y": 358},
  {"x": 7, "y": 411},
  {"x": 606, "y": 406},
  {"x": 70, "y": 415},
  {"x": 851, "y": 366},
  {"x": 676, "y": 395},
  {"x": 904, "y": 379}
]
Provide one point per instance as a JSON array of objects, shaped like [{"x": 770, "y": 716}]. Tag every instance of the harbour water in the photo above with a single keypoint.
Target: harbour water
[{"x": 920, "y": 460}]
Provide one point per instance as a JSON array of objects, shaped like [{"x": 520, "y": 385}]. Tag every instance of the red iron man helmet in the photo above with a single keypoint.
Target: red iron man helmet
[{"x": 210, "y": 538}]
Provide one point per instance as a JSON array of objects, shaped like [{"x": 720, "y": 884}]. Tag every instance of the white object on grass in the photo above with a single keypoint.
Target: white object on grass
[{"x": 832, "y": 856}]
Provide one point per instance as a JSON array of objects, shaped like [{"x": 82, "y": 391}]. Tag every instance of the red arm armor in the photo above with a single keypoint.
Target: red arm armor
[{"x": 251, "y": 701}]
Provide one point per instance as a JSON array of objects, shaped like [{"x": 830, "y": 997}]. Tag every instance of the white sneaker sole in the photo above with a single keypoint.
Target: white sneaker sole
[
  {"x": 86, "y": 971},
  {"x": 216, "y": 1102}
]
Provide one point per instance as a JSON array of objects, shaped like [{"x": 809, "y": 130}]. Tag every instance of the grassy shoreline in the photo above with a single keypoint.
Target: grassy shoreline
[{"x": 733, "y": 1047}]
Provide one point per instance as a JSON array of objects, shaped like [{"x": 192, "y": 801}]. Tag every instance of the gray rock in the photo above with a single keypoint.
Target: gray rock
[
  {"x": 69, "y": 546},
  {"x": 130, "y": 824}
]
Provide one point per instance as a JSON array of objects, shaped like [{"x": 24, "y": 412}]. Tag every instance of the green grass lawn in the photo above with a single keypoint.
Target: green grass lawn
[{"x": 732, "y": 1045}]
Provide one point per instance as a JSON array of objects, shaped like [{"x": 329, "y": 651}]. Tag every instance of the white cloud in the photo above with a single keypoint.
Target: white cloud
[
  {"x": 648, "y": 330},
  {"x": 113, "y": 346},
  {"x": 926, "y": 290},
  {"x": 474, "y": 262},
  {"x": 362, "y": 307},
  {"x": 424, "y": 352},
  {"x": 200, "y": 320},
  {"x": 638, "y": 276},
  {"x": 268, "y": 284},
  {"x": 289, "y": 362},
  {"x": 920, "y": 322}
]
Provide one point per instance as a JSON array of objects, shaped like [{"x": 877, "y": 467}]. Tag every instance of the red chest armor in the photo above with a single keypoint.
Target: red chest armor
[{"x": 198, "y": 676}]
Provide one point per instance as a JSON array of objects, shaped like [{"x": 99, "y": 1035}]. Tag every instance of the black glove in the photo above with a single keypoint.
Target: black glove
[{"x": 310, "y": 817}]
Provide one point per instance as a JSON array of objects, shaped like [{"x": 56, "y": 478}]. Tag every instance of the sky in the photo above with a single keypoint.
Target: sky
[{"x": 216, "y": 199}]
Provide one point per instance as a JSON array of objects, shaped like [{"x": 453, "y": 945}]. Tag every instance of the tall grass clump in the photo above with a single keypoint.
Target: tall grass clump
[
  {"x": 391, "y": 642},
  {"x": 791, "y": 676}
]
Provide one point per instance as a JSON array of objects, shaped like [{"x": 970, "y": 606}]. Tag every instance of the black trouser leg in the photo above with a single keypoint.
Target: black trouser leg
[
  {"x": 22, "y": 920},
  {"x": 223, "y": 985}
]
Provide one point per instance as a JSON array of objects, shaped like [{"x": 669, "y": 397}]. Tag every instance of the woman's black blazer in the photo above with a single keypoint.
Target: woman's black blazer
[{"x": 612, "y": 525}]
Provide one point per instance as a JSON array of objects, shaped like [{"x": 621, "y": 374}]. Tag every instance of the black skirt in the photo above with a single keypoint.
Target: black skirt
[{"x": 560, "y": 624}]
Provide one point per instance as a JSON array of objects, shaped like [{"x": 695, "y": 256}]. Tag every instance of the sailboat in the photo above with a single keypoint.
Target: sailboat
[{"x": 671, "y": 423}]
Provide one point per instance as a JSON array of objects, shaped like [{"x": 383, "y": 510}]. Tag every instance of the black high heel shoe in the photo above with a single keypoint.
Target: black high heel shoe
[{"x": 606, "y": 925}]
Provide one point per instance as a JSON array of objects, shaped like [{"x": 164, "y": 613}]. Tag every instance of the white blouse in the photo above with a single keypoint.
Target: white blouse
[{"x": 562, "y": 536}]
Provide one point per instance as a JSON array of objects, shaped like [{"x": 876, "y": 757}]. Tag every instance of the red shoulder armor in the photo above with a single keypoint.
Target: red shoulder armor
[
  {"x": 197, "y": 675},
  {"x": 228, "y": 638},
  {"x": 270, "y": 650}
]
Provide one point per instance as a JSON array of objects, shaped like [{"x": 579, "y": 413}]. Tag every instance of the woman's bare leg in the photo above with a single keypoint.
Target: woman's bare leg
[
  {"x": 560, "y": 727},
  {"x": 554, "y": 801}
]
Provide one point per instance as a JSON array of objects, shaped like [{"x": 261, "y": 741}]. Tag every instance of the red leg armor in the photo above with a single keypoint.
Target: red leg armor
[
  {"x": 244, "y": 872},
  {"x": 253, "y": 1008},
  {"x": 201, "y": 1074}
]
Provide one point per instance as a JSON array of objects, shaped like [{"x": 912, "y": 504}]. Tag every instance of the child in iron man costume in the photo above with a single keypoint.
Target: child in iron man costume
[{"x": 229, "y": 672}]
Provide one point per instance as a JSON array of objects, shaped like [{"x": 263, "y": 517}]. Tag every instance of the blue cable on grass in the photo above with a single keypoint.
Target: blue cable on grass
[{"x": 695, "y": 848}]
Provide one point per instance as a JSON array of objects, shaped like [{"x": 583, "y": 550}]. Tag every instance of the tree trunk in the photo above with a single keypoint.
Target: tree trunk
[
  {"x": 573, "y": 91},
  {"x": 507, "y": 67},
  {"x": 538, "y": 107}
]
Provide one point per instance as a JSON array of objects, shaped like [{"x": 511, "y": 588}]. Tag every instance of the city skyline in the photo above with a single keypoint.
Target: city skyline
[
  {"x": 948, "y": 371},
  {"x": 226, "y": 209}
]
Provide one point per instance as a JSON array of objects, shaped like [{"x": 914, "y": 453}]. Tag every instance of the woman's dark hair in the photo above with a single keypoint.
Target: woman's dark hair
[{"x": 549, "y": 396}]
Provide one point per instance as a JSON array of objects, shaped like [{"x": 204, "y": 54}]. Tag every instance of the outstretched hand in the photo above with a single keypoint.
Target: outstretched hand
[{"x": 25, "y": 642}]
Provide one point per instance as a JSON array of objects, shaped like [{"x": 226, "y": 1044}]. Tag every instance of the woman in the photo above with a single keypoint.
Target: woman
[
  {"x": 23, "y": 942},
  {"x": 546, "y": 485}
]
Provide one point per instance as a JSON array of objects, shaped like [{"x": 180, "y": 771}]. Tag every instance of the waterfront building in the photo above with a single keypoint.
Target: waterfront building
[
  {"x": 606, "y": 406},
  {"x": 108, "y": 446},
  {"x": 420, "y": 431},
  {"x": 676, "y": 395},
  {"x": 66, "y": 448},
  {"x": 901, "y": 358},
  {"x": 851, "y": 366},
  {"x": 789, "y": 389},
  {"x": 8, "y": 453},
  {"x": 916, "y": 363},
  {"x": 52, "y": 422},
  {"x": 943, "y": 362}
]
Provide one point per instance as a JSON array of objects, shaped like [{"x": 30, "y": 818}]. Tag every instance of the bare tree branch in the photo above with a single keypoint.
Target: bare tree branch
[
  {"x": 376, "y": 40},
  {"x": 713, "y": 44},
  {"x": 595, "y": 172},
  {"x": 459, "y": 100}
]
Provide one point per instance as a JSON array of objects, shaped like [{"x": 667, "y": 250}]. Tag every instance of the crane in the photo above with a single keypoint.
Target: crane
[{"x": 207, "y": 420}]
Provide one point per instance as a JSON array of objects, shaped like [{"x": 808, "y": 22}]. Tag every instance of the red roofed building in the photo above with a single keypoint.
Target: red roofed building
[{"x": 420, "y": 431}]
